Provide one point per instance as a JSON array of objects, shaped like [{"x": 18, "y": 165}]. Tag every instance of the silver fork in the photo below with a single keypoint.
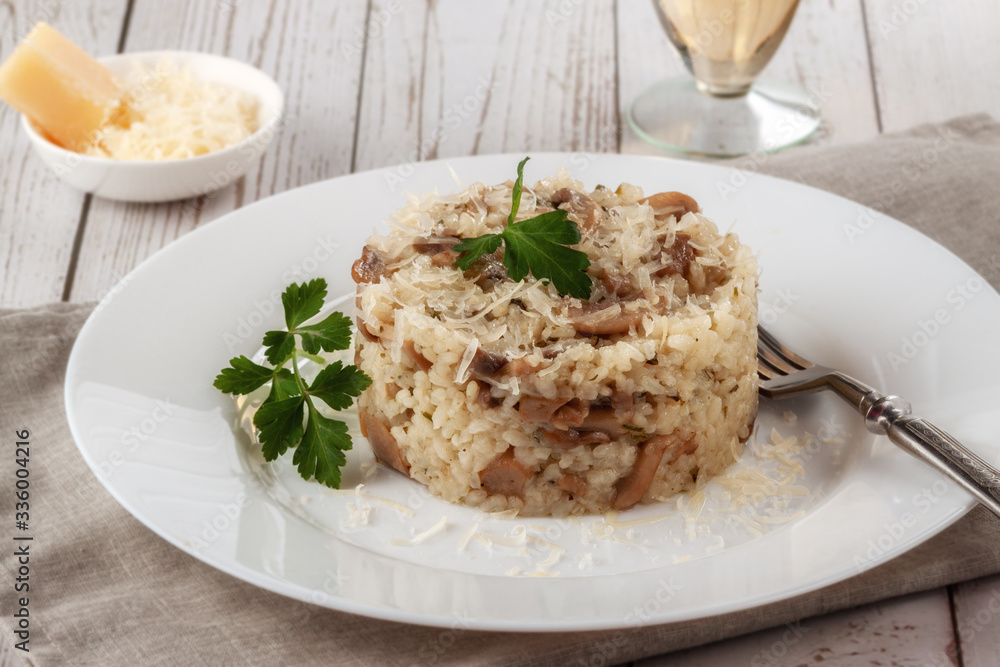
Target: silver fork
[{"x": 785, "y": 374}]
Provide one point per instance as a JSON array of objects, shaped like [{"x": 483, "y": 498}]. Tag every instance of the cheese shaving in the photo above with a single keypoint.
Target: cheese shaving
[
  {"x": 611, "y": 518},
  {"x": 554, "y": 556},
  {"x": 402, "y": 509},
  {"x": 419, "y": 538},
  {"x": 358, "y": 516},
  {"x": 515, "y": 538},
  {"x": 463, "y": 541}
]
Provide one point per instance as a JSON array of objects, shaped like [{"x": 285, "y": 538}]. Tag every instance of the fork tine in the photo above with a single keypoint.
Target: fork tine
[
  {"x": 765, "y": 370},
  {"x": 772, "y": 360},
  {"x": 777, "y": 354}
]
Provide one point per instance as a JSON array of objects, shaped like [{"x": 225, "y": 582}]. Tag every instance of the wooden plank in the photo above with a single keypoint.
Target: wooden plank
[
  {"x": 541, "y": 78},
  {"x": 299, "y": 44},
  {"x": 910, "y": 630},
  {"x": 824, "y": 52},
  {"x": 38, "y": 213},
  {"x": 977, "y": 618},
  {"x": 933, "y": 60},
  {"x": 389, "y": 123}
]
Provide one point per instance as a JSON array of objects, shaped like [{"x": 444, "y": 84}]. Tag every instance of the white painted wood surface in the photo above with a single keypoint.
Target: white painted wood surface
[
  {"x": 296, "y": 44},
  {"x": 39, "y": 216},
  {"x": 977, "y": 620},
  {"x": 825, "y": 52},
  {"x": 380, "y": 82},
  {"x": 934, "y": 60}
]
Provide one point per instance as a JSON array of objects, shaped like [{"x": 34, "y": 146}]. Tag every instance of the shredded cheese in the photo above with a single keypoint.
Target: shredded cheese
[
  {"x": 402, "y": 509},
  {"x": 173, "y": 115},
  {"x": 419, "y": 538},
  {"x": 358, "y": 516}
]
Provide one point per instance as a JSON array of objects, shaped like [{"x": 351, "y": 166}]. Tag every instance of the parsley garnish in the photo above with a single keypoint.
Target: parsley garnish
[
  {"x": 288, "y": 418},
  {"x": 537, "y": 245}
]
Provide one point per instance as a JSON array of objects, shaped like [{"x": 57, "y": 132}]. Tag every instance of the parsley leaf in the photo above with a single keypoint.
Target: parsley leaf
[
  {"x": 338, "y": 385},
  {"x": 321, "y": 452},
  {"x": 242, "y": 377},
  {"x": 279, "y": 346},
  {"x": 333, "y": 333},
  {"x": 284, "y": 385},
  {"x": 538, "y": 246},
  {"x": 473, "y": 249},
  {"x": 303, "y": 301},
  {"x": 280, "y": 424},
  {"x": 288, "y": 418},
  {"x": 515, "y": 193}
]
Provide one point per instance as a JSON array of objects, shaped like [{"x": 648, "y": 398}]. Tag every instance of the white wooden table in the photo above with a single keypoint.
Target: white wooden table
[{"x": 370, "y": 83}]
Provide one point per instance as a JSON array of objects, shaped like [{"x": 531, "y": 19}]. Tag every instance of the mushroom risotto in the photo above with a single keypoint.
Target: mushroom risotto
[{"x": 508, "y": 395}]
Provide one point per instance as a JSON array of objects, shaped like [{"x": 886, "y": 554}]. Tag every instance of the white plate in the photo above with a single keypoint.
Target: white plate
[{"x": 851, "y": 288}]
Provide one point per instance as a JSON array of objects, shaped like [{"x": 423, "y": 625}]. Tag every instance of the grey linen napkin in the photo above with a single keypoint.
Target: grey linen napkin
[{"x": 106, "y": 591}]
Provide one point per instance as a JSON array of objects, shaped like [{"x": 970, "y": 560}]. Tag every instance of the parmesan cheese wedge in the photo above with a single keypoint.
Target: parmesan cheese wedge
[{"x": 62, "y": 90}]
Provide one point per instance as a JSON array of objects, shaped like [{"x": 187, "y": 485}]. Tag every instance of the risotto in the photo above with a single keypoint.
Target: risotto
[{"x": 507, "y": 395}]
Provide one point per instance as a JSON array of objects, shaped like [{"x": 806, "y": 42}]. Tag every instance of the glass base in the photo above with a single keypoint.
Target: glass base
[{"x": 675, "y": 115}]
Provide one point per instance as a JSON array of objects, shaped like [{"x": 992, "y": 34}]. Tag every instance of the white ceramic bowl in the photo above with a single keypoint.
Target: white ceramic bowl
[{"x": 166, "y": 180}]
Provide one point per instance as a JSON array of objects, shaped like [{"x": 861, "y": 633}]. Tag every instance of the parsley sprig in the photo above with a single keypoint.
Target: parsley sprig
[
  {"x": 288, "y": 417},
  {"x": 538, "y": 245}
]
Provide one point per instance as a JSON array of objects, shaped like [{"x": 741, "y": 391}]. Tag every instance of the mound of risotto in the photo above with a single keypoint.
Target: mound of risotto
[{"x": 507, "y": 395}]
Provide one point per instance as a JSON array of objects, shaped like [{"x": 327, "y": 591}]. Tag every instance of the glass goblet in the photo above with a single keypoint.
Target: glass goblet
[{"x": 723, "y": 110}]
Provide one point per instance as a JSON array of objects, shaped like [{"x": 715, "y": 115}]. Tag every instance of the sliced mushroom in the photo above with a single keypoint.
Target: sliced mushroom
[
  {"x": 632, "y": 487},
  {"x": 678, "y": 257},
  {"x": 572, "y": 414},
  {"x": 602, "y": 319},
  {"x": 573, "y": 484},
  {"x": 539, "y": 410},
  {"x": 370, "y": 267},
  {"x": 504, "y": 476},
  {"x": 615, "y": 283},
  {"x": 520, "y": 367},
  {"x": 574, "y": 438},
  {"x": 666, "y": 204},
  {"x": 365, "y": 331},
  {"x": 580, "y": 208},
  {"x": 604, "y": 419},
  {"x": 440, "y": 249},
  {"x": 488, "y": 270},
  {"x": 422, "y": 362},
  {"x": 384, "y": 445},
  {"x": 485, "y": 397},
  {"x": 486, "y": 365},
  {"x": 621, "y": 400},
  {"x": 434, "y": 245},
  {"x": 444, "y": 258}
]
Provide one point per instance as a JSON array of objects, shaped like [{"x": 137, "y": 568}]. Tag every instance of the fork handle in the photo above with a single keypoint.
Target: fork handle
[{"x": 890, "y": 415}]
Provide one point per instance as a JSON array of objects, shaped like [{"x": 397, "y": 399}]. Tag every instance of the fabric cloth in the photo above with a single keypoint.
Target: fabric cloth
[{"x": 105, "y": 590}]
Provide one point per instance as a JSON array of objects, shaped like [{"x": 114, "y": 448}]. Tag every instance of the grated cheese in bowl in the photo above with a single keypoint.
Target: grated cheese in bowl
[{"x": 172, "y": 115}]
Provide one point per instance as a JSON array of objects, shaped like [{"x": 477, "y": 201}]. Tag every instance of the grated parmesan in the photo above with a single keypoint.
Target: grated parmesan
[
  {"x": 172, "y": 115},
  {"x": 356, "y": 492},
  {"x": 358, "y": 516},
  {"x": 463, "y": 541}
]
